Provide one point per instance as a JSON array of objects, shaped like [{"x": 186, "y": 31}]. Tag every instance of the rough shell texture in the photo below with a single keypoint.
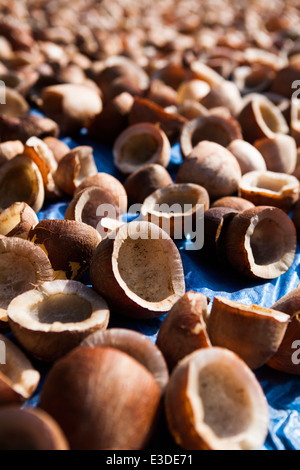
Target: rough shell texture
[
  {"x": 184, "y": 330},
  {"x": 213, "y": 167},
  {"x": 113, "y": 408},
  {"x": 144, "y": 110},
  {"x": 68, "y": 244},
  {"x": 254, "y": 333},
  {"x": 145, "y": 181},
  {"x": 108, "y": 183},
  {"x": 135, "y": 344}
]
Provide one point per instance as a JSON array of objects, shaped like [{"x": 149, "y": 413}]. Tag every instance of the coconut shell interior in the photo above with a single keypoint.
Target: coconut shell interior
[
  {"x": 145, "y": 267},
  {"x": 86, "y": 207},
  {"x": 270, "y": 182},
  {"x": 139, "y": 148},
  {"x": 9, "y": 220},
  {"x": 230, "y": 409},
  {"x": 59, "y": 305},
  {"x": 269, "y": 117},
  {"x": 213, "y": 132},
  {"x": 21, "y": 268},
  {"x": 87, "y": 165},
  {"x": 62, "y": 308},
  {"x": 225, "y": 401},
  {"x": 21, "y": 181},
  {"x": 269, "y": 244},
  {"x": 177, "y": 197}
]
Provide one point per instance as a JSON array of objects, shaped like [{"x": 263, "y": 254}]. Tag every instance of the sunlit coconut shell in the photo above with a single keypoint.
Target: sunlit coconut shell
[
  {"x": 22, "y": 266},
  {"x": 183, "y": 329},
  {"x": 214, "y": 402},
  {"x": 15, "y": 104},
  {"x": 107, "y": 183},
  {"x": 68, "y": 244},
  {"x": 286, "y": 359},
  {"x": 71, "y": 105},
  {"x": 212, "y": 166},
  {"x": 194, "y": 90},
  {"x": 90, "y": 206},
  {"x": 270, "y": 188},
  {"x": 201, "y": 71},
  {"x": 134, "y": 282},
  {"x": 211, "y": 128},
  {"x": 10, "y": 149},
  {"x": 17, "y": 220},
  {"x": 55, "y": 317},
  {"x": 253, "y": 332},
  {"x": 21, "y": 181},
  {"x": 224, "y": 94},
  {"x": 191, "y": 110},
  {"x": 176, "y": 208},
  {"x": 139, "y": 145},
  {"x": 248, "y": 156},
  {"x": 279, "y": 153},
  {"x": 18, "y": 378},
  {"x": 260, "y": 118},
  {"x": 38, "y": 151},
  {"x": 137, "y": 345},
  {"x": 123, "y": 399},
  {"x": 261, "y": 242},
  {"x": 74, "y": 167}
]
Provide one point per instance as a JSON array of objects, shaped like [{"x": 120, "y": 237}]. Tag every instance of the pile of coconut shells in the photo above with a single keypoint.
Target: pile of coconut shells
[{"x": 219, "y": 82}]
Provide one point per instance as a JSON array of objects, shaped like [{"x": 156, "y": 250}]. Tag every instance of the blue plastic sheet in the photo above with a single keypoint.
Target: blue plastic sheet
[{"x": 282, "y": 390}]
